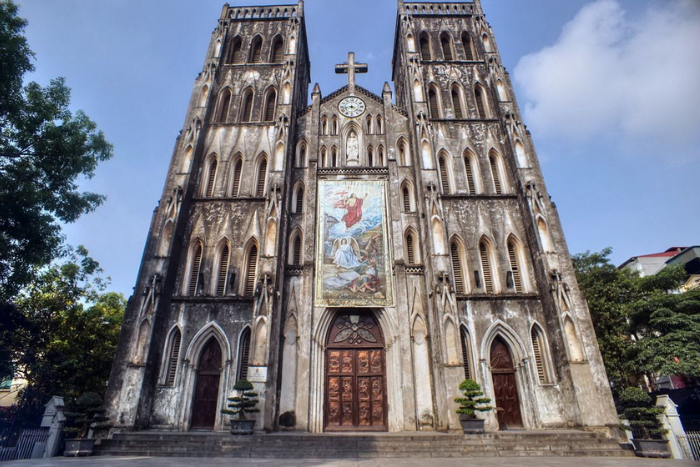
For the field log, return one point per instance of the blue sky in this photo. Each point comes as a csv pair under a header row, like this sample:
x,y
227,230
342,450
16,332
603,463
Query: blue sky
x,y
610,90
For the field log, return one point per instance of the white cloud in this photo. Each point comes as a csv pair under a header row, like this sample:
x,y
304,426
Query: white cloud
x,y
633,82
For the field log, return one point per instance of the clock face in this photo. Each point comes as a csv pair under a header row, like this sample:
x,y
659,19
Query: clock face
x,y
351,107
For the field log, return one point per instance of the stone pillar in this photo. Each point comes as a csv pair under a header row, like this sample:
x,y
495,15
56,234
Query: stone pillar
x,y
54,420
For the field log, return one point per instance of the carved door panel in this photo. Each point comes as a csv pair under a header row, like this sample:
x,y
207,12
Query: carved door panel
x,y
505,386
355,377
206,393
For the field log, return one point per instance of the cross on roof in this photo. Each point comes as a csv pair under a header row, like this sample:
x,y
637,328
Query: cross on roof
x,y
351,68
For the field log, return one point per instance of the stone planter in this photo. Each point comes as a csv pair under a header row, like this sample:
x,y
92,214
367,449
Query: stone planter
x,y
471,425
242,426
78,447
651,448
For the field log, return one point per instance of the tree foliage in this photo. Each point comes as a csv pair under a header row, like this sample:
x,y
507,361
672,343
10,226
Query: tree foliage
x,y
472,399
644,326
61,333
642,415
45,149
244,402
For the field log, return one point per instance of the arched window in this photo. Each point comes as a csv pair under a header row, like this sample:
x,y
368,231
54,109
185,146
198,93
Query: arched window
x,y
494,163
270,102
299,200
444,177
380,156
236,176
277,53
466,352
469,161
296,250
234,51
539,349
514,260
446,44
433,102
210,177
224,105
222,274
404,156
324,125
301,156
406,194
262,178
457,269
173,356
247,106
487,42
370,126
468,46
380,125
334,157
480,96
250,270
195,264
425,47
370,156
457,102
410,248
324,157
243,354
256,50
334,126
485,256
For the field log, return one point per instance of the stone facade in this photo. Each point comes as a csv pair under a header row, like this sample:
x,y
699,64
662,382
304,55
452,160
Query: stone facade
x,y
480,278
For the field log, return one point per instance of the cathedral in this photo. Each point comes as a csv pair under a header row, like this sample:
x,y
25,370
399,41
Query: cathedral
x,y
356,255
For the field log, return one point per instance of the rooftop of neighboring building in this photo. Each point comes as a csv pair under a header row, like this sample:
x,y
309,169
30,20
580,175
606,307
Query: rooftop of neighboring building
x,y
650,264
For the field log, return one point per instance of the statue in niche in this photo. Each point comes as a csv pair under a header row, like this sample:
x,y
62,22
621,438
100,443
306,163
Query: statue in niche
x,y
353,149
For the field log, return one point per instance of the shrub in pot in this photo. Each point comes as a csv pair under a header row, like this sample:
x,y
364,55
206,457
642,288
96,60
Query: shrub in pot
x,y
87,414
643,418
238,406
471,402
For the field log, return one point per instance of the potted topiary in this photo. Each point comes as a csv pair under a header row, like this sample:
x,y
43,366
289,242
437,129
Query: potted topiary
x,y
643,418
473,401
88,414
239,405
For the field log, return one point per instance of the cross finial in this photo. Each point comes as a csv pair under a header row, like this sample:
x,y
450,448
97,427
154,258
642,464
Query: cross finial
x,y
351,68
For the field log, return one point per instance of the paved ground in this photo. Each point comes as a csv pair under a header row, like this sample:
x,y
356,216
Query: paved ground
x,y
462,462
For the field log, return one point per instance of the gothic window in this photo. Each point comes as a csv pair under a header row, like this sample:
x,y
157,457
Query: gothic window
x,y
262,178
406,194
411,247
495,164
165,238
277,53
469,168
324,125
324,157
466,352
501,90
334,126
243,354
195,264
425,47
234,52
299,199
446,44
380,156
173,354
236,176
434,101
380,125
270,102
468,44
250,270
224,105
456,94
544,235
444,175
247,106
210,177
370,126
404,156
222,273
256,50
480,97
539,349
301,156
370,157
515,269
334,157
295,249
575,351
487,42
486,273
457,267
187,160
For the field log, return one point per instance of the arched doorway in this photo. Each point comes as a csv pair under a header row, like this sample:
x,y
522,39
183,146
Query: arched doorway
x,y
505,387
355,398
206,393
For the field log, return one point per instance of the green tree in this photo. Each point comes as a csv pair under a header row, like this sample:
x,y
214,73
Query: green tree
x,y
62,332
44,150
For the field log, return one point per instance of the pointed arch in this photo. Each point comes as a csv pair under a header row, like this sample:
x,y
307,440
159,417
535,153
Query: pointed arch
x,y
412,254
487,42
488,273
298,199
471,171
300,159
481,102
324,125
468,44
204,96
404,152
334,125
261,176
457,95
369,122
418,91
224,106
287,93
187,159
540,353
192,282
202,338
380,125
467,361
545,238
496,165
434,105
255,50
166,237
515,259
250,268
260,341
247,106
572,340
381,160
235,54
324,157
451,342
271,237
223,258
370,156
520,154
501,91
209,176
444,172
334,157
295,248
411,44
438,236
457,255
277,50
270,104
500,329
426,155
425,50
171,356
446,45
236,174
141,348
407,195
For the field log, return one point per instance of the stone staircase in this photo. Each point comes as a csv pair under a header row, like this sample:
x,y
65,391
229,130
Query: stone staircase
x,y
556,443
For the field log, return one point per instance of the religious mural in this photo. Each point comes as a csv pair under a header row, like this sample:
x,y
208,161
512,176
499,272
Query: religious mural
x,y
353,253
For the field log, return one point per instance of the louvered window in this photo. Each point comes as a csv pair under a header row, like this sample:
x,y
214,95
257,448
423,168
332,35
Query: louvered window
x,y
194,272
446,47
174,356
406,200
270,106
480,107
457,268
410,253
296,251
486,267
471,187
247,110
515,269
468,48
424,48
236,184
224,106
211,178
457,104
495,173
466,353
300,201
235,55
262,175
537,347
444,179
250,271
433,102
244,354
223,272
256,50
277,50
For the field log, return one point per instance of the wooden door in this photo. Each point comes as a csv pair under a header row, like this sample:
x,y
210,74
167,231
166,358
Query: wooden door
x,y
355,398
507,402
206,392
